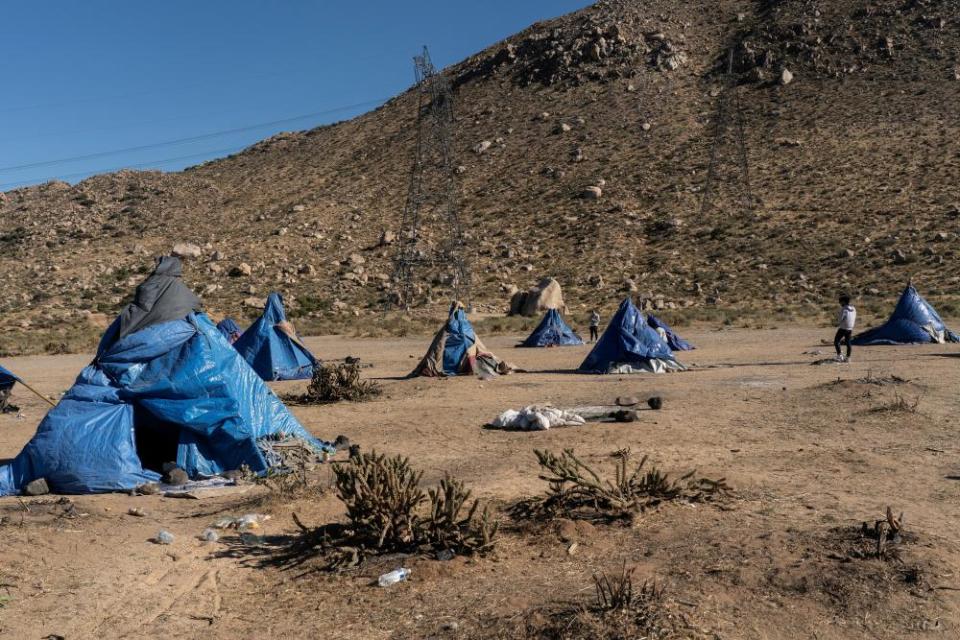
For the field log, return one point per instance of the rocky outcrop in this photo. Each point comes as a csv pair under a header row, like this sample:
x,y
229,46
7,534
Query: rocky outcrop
x,y
546,295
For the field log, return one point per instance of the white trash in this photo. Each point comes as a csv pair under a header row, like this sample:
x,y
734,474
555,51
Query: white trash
x,y
395,576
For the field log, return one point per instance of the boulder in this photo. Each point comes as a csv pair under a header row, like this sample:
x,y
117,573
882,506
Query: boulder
x,y
786,77
592,193
242,269
482,147
36,487
187,250
546,295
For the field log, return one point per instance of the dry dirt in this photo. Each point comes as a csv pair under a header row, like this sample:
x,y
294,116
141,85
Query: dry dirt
x,y
809,458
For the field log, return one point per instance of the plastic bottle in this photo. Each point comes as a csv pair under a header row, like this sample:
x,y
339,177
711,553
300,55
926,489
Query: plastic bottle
x,y
395,576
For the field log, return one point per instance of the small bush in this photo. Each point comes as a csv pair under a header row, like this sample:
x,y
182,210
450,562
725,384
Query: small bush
x,y
337,382
576,490
385,515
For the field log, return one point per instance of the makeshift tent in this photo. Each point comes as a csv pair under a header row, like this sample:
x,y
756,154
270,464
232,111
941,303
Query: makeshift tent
x,y
676,342
913,321
230,329
172,390
456,350
272,347
7,380
630,345
552,332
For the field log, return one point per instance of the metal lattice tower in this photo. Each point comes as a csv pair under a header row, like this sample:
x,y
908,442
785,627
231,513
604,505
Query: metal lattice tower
x,y
431,242
728,136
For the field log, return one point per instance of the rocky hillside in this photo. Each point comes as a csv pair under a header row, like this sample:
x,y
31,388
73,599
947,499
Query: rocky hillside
x,y
584,144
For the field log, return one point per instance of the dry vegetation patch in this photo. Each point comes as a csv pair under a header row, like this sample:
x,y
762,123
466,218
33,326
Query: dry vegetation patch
x,y
577,491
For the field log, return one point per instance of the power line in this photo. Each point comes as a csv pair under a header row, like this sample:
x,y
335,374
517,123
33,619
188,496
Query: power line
x,y
206,136
142,165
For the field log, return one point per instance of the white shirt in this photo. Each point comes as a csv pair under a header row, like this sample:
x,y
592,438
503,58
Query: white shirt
x,y
847,317
595,320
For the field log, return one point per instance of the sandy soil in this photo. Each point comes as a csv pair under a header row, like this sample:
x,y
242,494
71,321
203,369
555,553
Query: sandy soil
x,y
807,458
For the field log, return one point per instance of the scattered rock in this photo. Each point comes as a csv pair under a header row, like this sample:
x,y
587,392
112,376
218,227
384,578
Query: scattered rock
x,y
482,147
177,476
786,77
36,487
592,193
242,269
186,250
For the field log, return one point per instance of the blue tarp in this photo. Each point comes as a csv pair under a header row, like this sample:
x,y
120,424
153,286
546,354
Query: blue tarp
x,y
460,337
552,332
273,353
7,378
676,342
230,329
908,324
174,390
628,339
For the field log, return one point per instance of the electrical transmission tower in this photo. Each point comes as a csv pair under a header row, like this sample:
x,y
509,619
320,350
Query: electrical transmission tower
x,y
729,165
431,245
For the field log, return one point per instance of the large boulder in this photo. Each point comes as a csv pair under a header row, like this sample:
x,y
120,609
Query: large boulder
x,y
546,295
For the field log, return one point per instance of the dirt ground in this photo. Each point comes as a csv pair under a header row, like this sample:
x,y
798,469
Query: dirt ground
x,y
809,458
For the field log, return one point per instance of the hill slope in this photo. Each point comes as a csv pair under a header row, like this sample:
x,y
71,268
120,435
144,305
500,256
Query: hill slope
x,y
854,166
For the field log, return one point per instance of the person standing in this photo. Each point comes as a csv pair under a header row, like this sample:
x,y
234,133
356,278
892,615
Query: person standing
x,y
846,320
594,325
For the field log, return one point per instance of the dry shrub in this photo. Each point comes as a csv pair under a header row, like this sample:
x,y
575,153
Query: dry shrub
x,y
576,490
900,404
621,610
336,382
386,514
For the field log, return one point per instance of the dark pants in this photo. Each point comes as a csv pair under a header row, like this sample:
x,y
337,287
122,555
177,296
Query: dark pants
x,y
593,334
843,335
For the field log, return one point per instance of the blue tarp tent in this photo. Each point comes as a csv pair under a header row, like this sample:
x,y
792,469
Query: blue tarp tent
x,y
7,378
913,321
230,329
170,391
165,386
629,345
676,342
272,347
552,332
456,350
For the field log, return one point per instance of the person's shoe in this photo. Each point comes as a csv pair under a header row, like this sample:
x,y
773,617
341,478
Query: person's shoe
x,y
838,358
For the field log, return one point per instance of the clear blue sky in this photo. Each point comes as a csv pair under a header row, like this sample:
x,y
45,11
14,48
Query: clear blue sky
x,y
88,77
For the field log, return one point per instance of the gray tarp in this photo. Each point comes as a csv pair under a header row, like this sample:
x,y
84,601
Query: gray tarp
x,y
162,297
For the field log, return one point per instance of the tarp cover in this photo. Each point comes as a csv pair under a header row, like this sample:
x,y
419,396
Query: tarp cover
x,y
552,332
456,350
7,378
913,321
676,342
230,329
629,343
160,298
180,379
272,348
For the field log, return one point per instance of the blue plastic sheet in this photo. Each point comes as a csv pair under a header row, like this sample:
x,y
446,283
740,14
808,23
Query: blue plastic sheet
x,y
676,342
7,378
272,353
906,323
628,339
180,376
460,338
552,332
230,329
